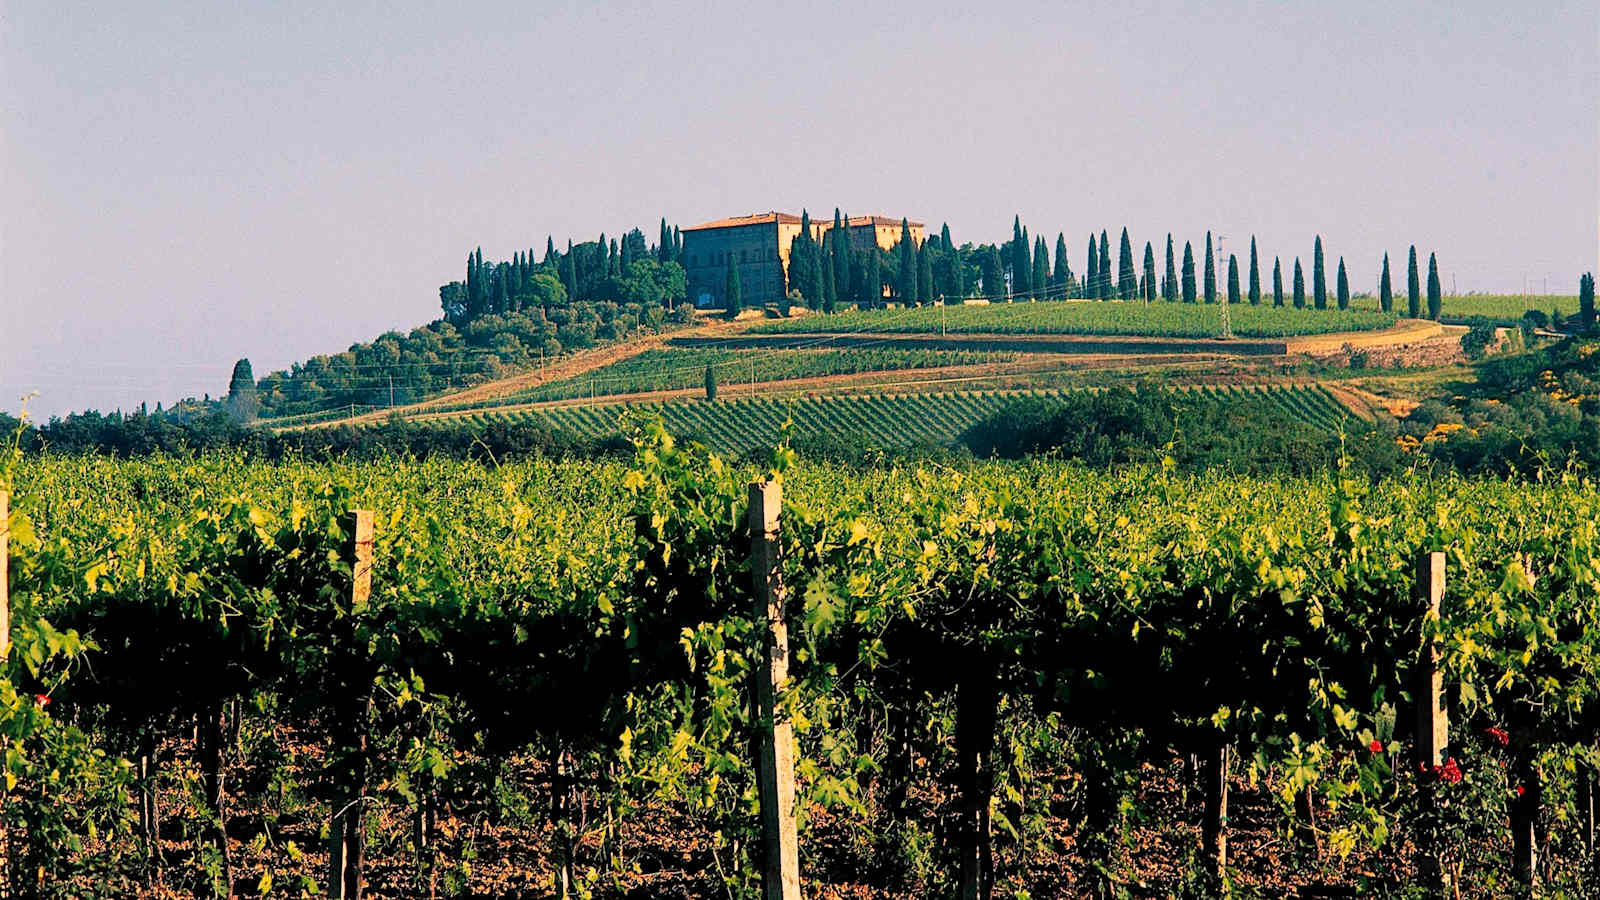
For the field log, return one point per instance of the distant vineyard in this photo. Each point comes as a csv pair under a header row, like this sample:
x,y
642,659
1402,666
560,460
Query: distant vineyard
x,y
1125,318
737,424
679,369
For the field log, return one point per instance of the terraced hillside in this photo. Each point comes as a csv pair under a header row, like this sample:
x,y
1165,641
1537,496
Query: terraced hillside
x,y
887,420
1185,320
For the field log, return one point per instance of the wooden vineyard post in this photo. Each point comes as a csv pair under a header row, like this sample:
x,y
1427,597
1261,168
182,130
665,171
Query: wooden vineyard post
x,y
346,835
1214,827
774,738
1433,726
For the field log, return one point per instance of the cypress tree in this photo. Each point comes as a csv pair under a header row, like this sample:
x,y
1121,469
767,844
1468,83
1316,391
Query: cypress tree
x,y
711,382
1041,267
549,250
1342,287
1105,268
569,272
626,258
1021,259
1169,281
1435,296
924,274
1127,287
1586,301
664,245
1255,275
1277,282
732,293
1188,273
1233,279
1319,278
873,270
994,271
841,256
944,238
1058,280
1211,272
830,294
1149,272
471,304
1299,285
1413,287
1091,272
1385,290
677,245
614,261
243,401
906,280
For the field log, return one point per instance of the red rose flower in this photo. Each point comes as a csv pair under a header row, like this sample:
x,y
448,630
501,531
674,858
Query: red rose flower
x,y
1498,735
1521,790
1376,746
42,699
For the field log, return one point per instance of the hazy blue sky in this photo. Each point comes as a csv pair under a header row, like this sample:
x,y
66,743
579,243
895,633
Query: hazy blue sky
x,y
185,183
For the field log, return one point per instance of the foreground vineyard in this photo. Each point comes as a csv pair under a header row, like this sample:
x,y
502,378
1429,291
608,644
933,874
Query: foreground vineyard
x,y
553,654
737,424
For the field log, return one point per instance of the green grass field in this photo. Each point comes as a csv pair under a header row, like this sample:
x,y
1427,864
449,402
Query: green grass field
x,y
1508,307
1187,320
887,420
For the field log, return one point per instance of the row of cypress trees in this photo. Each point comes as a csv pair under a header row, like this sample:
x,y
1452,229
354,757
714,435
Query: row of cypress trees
x,y
1029,277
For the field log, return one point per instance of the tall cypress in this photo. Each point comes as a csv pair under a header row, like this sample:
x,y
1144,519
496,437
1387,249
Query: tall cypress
x,y
1586,301
732,292
906,280
1021,259
664,245
1188,273
841,256
549,250
1105,267
1299,285
994,270
1342,287
1041,267
1319,279
677,245
1169,281
1091,271
1255,275
1149,272
1277,282
243,401
569,272
1211,272
1127,286
1385,290
1233,279
1058,279
924,274
944,238
873,282
1435,295
1413,287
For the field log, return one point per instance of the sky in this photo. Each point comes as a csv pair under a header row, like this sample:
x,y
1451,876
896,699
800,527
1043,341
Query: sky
x,y
184,183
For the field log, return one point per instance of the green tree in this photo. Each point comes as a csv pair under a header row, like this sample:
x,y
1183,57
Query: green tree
x,y
711,382
925,274
944,238
569,272
1149,272
1188,273
732,293
1413,287
1385,289
1319,278
1277,282
1211,272
1127,286
1586,313
872,275
1063,270
1299,285
1091,271
1041,267
664,243
905,285
1105,268
1233,279
1435,295
1021,259
994,273
1169,281
1255,275
243,401
1342,286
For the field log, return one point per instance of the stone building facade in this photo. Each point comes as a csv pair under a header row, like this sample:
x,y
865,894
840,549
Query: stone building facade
x,y
761,242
